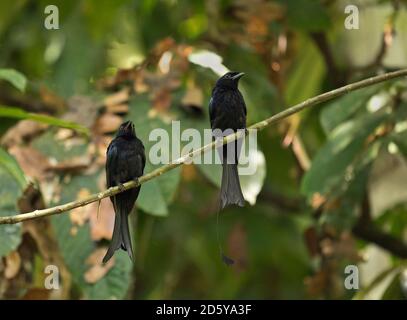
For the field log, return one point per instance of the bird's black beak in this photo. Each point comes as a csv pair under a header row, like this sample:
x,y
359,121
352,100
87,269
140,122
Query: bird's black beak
x,y
127,125
238,76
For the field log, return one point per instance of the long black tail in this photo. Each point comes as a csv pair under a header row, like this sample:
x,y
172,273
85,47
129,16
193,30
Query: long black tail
x,y
121,234
230,190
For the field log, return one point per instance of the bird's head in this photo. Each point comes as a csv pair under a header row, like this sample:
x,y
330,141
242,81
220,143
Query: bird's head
x,y
229,80
126,129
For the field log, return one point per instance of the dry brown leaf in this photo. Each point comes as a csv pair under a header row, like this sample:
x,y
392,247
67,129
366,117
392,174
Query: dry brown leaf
x,y
97,269
63,134
162,100
101,226
107,123
80,215
311,241
82,105
140,85
317,284
52,100
117,98
189,172
73,165
237,246
118,108
32,162
37,294
13,264
317,200
193,97
22,132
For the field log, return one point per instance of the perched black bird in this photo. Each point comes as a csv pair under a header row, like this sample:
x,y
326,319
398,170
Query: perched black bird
x,y
125,161
227,111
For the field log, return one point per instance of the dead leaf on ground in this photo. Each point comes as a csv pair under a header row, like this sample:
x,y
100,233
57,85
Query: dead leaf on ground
x,y
97,269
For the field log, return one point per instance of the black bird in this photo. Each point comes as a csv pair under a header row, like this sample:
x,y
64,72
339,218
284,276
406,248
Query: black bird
x,y
227,111
125,161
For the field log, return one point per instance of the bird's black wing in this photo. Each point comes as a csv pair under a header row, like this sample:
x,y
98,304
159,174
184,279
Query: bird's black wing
x,y
111,164
212,111
143,158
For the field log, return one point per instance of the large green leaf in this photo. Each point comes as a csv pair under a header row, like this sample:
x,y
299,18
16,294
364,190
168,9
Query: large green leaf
x,y
17,79
330,163
8,163
16,113
115,284
305,78
344,107
11,187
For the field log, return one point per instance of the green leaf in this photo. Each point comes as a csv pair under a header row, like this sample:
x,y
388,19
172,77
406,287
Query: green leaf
x,y
392,272
394,291
343,108
11,187
151,199
17,79
10,164
305,78
16,113
58,149
115,284
330,163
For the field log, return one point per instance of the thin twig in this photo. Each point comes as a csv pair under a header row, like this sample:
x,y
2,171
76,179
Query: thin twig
x,y
165,168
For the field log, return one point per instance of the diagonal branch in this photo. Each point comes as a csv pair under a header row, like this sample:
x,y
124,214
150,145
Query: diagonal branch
x,y
165,168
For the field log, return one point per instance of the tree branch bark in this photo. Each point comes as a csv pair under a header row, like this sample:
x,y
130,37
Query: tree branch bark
x,y
165,168
366,230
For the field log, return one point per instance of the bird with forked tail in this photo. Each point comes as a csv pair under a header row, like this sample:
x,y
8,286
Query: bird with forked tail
x,y
125,161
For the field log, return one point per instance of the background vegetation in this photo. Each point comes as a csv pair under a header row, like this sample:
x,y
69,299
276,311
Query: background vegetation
x,y
331,183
